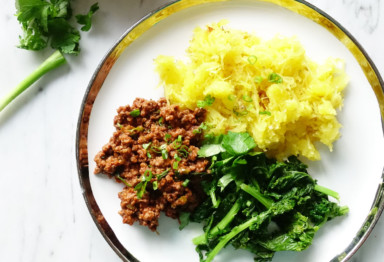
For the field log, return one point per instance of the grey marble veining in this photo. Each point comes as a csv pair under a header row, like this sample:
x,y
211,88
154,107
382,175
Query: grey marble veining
x,y
43,214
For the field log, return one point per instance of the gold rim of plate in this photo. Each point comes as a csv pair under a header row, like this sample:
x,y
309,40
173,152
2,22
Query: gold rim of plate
x,y
298,6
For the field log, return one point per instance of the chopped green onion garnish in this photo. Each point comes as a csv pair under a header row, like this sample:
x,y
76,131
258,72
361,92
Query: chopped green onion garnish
x,y
162,175
161,121
247,98
164,152
140,187
135,112
119,125
185,183
265,113
167,137
155,185
231,97
258,79
123,180
275,78
252,59
208,101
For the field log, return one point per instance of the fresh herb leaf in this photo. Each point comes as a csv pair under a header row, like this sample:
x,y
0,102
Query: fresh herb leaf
x,y
135,113
184,219
238,143
210,150
86,19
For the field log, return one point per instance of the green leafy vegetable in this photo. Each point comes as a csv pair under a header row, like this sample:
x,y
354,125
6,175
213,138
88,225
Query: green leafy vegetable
x,y
248,192
86,19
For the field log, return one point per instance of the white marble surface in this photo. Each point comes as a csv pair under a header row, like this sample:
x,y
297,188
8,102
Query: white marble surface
x,y
43,214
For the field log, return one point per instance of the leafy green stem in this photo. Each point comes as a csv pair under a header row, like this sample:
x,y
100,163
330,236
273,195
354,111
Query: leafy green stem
x,y
236,230
54,61
327,191
221,225
256,194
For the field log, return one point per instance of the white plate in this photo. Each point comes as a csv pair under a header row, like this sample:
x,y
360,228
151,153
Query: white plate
x,y
353,169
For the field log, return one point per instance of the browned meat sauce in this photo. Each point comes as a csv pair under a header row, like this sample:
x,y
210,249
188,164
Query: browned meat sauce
x,y
154,152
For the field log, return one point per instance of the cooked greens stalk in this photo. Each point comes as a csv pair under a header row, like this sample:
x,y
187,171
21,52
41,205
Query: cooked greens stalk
x,y
327,191
256,194
221,225
236,230
55,60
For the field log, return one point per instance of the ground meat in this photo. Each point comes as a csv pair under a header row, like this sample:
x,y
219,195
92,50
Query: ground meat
x,y
154,152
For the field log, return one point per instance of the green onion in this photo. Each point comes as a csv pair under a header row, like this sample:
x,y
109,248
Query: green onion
x,y
258,79
155,185
247,98
175,164
252,59
265,113
167,137
185,183
161,121
208,101
162,175
275,78
140,187
164,152
145,146
231,97
119,125
123,180
135,112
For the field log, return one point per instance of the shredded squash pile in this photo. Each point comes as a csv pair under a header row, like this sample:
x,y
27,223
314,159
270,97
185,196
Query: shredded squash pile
x,y
270,89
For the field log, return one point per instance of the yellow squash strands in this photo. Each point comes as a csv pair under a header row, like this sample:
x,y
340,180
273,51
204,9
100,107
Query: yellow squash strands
x,y
270,89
